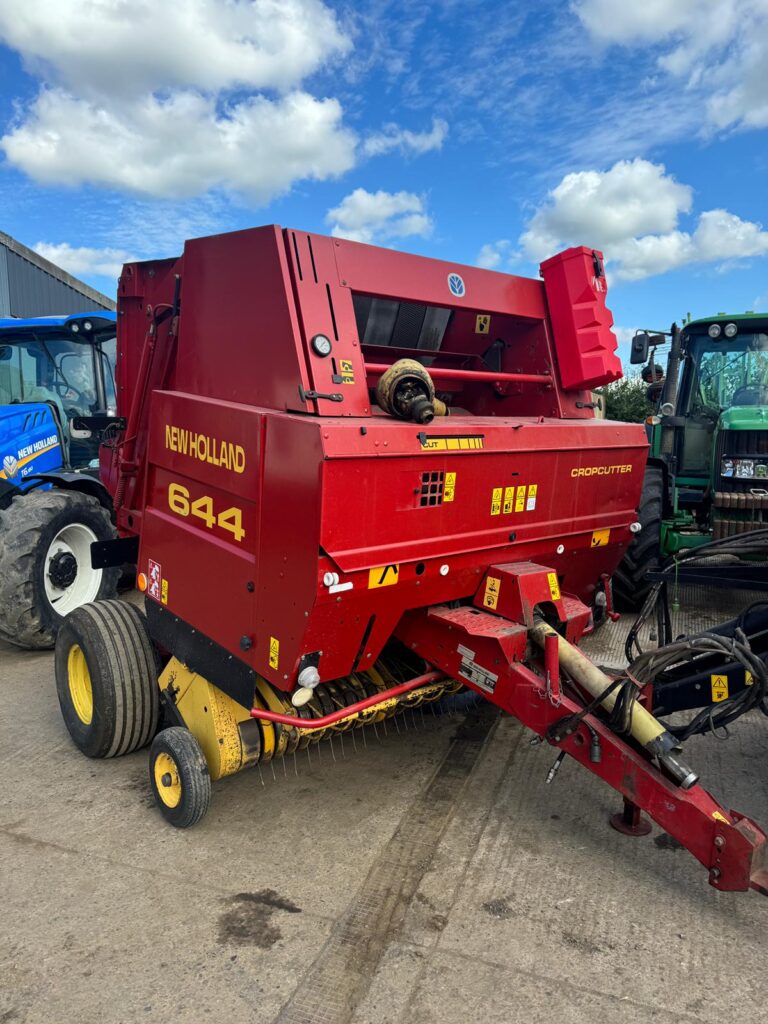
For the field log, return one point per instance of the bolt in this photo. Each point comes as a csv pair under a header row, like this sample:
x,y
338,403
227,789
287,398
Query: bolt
x,y
250,586
166,779
719,842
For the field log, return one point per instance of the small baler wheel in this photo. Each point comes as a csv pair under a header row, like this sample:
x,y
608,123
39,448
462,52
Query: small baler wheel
x,y
179,777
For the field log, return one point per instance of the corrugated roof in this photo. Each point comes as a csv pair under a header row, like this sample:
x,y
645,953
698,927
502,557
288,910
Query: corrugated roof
x,y
33,286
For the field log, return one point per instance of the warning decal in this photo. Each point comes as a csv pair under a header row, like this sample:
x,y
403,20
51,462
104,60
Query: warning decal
x,y
509,499
383,576
457,443
531,504
554,586
719,688
346,372
492,588
449,488
274,652
482,323
496,501
600,538
154,580
520,499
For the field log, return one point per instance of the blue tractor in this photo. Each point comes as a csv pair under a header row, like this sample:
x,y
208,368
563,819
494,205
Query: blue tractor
x,y
57,387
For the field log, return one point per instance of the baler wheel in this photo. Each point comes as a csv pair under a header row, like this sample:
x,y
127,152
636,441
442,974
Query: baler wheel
x,y
179,777
106,679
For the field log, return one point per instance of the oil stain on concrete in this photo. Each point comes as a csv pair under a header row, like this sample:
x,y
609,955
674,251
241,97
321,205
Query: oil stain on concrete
x,y
248,921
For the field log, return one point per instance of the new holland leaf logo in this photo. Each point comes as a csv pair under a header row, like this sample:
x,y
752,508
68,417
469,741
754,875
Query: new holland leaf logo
x,y
456,285
11,466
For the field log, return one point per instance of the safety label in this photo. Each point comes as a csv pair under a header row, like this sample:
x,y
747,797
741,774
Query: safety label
x,y
600,538
509,499
496,501
383,576
154,580
748,680
164,592
346,372
274,652
719,688
531,503
458,443
449,487
492,589
515,499
475,673
520,499
554,586
482,323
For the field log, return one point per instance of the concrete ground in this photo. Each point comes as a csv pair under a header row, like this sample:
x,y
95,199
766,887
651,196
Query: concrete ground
x,y
428,876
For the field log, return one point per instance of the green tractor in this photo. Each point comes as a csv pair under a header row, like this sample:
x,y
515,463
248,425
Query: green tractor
x,y
707,472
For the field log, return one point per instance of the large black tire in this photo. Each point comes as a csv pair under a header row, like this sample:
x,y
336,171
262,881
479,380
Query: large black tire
x,y
106,679
179,777
45,569
630,587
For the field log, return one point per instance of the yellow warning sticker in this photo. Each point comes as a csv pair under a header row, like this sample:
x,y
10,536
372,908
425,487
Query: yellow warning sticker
x,y
532,492
600,538
719,688
274,652
164,592
346,371
383,576
492,589
520,499
554,586
496,501
449,487
748,680
509,499
459,443
482,323
720,817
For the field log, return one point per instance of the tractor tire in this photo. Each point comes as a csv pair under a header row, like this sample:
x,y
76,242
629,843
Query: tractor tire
x,y
106,679
179,776
45,563
630,587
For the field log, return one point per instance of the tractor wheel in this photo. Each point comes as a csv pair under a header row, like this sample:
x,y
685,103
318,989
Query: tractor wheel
x,y
179,777
106,679
45,563
630,587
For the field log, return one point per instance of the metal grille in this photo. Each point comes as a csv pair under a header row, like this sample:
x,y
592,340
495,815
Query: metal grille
x,y
432,484
742,445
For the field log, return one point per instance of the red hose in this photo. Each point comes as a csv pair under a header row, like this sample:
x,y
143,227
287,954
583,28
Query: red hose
x,y
336,716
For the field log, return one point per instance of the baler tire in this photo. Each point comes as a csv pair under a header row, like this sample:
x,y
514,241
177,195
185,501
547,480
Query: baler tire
x,y
630,587
176,753
31,527
106,679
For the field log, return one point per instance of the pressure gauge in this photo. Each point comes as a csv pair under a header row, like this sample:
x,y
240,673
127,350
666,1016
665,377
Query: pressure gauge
x,y
321,345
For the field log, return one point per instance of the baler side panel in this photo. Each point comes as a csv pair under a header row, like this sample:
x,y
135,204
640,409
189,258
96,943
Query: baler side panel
x,y
239,338
201,525
325,307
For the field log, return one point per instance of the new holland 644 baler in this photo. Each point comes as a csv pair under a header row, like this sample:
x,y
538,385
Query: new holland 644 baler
x,y
353,481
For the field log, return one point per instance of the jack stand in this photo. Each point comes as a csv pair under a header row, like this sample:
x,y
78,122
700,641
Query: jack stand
x,y
630,821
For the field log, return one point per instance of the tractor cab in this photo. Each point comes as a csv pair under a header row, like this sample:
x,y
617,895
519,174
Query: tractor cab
x,y
707,474
53,370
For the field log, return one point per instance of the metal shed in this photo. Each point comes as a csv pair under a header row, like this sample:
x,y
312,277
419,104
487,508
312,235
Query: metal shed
x,y
33,286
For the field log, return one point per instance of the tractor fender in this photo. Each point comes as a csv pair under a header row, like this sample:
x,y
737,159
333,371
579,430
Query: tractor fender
x,y
68,481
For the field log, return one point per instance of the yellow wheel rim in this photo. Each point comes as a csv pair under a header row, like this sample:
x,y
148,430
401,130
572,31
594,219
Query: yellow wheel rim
x,y
80,688
167,781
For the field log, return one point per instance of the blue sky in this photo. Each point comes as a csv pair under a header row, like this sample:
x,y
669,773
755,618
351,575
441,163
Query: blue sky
x,y
479,132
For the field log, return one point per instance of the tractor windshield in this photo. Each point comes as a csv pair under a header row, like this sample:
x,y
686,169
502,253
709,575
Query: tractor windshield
x,y
45,368
729,372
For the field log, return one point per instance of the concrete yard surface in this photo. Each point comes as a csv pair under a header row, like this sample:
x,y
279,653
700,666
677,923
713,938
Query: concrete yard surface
x,y
429,875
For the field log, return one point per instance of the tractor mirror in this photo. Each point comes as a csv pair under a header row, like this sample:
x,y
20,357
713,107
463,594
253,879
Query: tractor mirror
x,y
640,345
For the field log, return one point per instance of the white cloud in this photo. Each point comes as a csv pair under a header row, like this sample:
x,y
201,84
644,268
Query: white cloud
x,y
406,141
379,216
495,255
720,48
82,260
181,146
141,97
111,47
632,213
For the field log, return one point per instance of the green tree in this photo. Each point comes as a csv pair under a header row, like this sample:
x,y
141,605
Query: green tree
x,y
626,400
